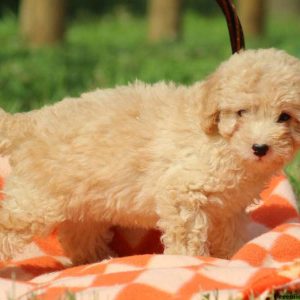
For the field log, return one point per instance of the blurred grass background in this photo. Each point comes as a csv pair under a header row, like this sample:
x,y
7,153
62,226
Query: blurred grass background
x,y
112,49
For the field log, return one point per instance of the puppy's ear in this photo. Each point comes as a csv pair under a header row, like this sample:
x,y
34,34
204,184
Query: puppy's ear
x,y
209,106
227,123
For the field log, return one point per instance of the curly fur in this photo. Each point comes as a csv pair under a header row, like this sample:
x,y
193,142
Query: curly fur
x,y
174,157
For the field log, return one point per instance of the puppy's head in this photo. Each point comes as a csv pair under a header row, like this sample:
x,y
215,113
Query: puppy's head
x,y
253,101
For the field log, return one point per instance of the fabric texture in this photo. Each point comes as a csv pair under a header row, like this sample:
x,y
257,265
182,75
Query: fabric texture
x,y
270,261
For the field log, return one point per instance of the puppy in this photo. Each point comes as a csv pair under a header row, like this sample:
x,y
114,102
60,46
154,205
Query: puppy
x,y
187,160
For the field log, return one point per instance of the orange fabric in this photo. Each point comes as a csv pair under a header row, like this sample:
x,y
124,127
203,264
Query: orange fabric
x,y
275,211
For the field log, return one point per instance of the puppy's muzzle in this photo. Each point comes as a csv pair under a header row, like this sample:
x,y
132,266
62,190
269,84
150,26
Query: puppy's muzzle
x,y
260,149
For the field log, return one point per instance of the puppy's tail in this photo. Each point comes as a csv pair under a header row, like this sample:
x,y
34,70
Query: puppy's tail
x,y
4,140
14,128
2,112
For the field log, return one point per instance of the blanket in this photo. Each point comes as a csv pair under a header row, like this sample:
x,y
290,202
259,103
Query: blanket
x,y
269,262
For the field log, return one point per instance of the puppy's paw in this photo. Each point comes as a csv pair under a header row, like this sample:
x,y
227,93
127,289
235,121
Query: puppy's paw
x,y
199,249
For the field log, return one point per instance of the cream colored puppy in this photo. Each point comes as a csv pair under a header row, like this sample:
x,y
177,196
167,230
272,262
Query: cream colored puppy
x,y
187,160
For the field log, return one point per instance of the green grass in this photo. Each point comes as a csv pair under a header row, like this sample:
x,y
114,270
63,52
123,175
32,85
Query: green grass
x,y
113,50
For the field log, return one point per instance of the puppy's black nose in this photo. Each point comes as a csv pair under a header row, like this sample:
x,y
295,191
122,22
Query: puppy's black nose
x,y
260,149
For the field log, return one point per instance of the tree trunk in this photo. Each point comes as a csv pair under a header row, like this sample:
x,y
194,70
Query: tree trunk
x,y
252,14
284,7
42,22
165,19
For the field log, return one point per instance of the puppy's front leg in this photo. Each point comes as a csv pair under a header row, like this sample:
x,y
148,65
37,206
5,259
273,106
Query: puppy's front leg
x,y
183,222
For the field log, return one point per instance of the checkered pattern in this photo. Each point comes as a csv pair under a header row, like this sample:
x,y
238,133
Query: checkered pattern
x,y
271,260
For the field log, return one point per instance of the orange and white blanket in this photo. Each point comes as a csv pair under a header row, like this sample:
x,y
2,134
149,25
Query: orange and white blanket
x,y
269,262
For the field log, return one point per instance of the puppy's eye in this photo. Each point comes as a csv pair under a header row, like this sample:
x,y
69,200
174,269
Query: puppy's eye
x,y
283,117
241,112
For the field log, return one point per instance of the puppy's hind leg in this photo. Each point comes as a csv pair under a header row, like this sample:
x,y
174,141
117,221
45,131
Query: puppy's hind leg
x,y
86,242
25,212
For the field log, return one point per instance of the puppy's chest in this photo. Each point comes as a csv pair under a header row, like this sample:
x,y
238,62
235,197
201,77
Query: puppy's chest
x,y
214,173
234,200
224,181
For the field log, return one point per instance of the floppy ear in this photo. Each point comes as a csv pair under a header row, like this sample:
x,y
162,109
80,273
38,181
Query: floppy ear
x,y
209,106
227,123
